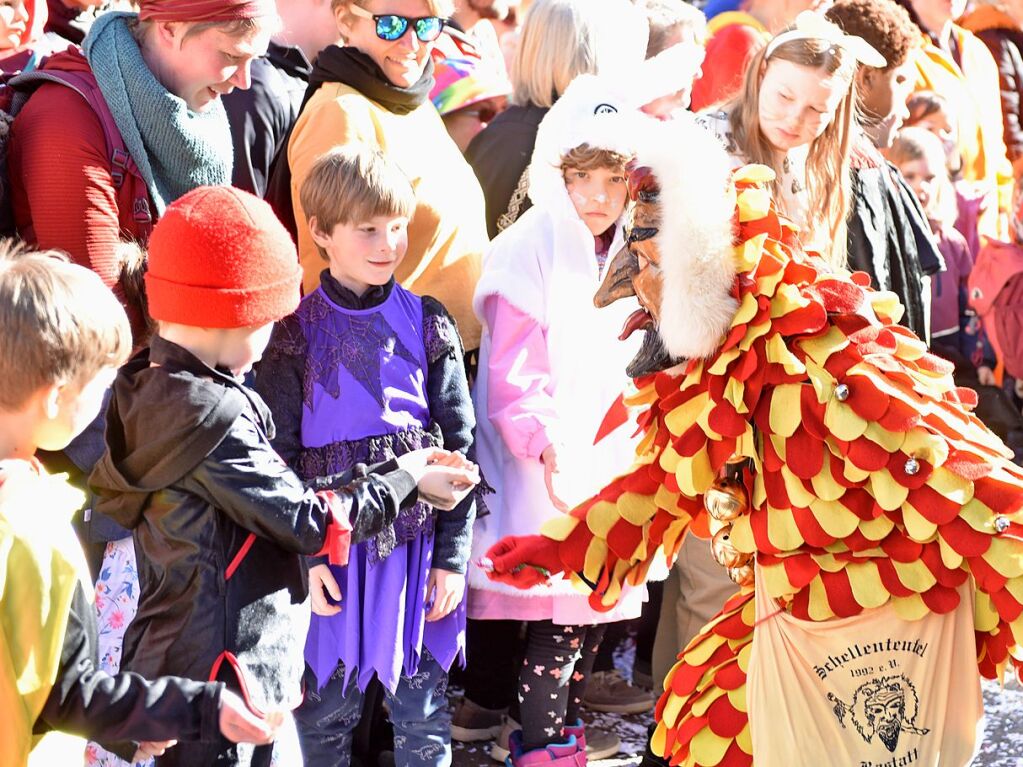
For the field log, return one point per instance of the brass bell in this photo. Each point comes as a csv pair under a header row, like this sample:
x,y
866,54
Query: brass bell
x,y
725,553
725,501
741,576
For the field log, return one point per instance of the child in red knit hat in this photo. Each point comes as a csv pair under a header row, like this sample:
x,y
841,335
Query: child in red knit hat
x,y
63,333
219,522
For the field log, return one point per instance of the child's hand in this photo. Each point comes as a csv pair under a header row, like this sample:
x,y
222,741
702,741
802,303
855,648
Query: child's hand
x,y
444,487
549,457
985,376
149,748
239,725
417,462
320,579
455,460
447,588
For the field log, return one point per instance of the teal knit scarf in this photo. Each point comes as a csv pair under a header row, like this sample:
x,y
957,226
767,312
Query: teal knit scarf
x,y
175,149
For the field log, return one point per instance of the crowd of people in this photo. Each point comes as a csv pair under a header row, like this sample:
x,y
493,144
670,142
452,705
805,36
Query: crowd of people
x,y
299,296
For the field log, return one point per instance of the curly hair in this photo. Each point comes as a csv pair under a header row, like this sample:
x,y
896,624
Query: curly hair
x,y
883,23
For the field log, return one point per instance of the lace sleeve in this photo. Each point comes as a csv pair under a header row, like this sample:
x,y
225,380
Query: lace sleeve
x,y
440,333
280,381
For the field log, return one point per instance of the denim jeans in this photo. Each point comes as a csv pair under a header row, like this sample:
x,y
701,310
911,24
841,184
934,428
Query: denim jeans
x,y
422,724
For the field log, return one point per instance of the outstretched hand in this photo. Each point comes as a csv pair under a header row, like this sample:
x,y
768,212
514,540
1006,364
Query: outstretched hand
x,y
522,561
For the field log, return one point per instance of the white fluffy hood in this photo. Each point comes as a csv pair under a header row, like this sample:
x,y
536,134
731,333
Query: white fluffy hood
x,y
603,112
696,234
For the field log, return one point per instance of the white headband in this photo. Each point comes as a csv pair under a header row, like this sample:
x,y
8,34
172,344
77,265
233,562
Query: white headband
x,y
813,26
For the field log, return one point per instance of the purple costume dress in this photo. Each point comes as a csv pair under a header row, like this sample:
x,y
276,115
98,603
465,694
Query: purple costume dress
x,y
365,401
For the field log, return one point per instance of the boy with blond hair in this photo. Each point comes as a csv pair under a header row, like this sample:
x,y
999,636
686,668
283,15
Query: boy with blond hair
x,y
63,334
366,371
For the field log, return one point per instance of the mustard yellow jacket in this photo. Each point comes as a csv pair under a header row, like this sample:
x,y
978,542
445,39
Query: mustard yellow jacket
x,y
41,563
447,234
975,101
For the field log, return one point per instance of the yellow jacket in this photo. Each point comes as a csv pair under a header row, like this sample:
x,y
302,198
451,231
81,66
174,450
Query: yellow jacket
x,y
447,234
974,98
41,562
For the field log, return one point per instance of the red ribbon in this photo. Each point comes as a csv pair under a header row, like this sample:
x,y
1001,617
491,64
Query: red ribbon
x,y
205,10
339,531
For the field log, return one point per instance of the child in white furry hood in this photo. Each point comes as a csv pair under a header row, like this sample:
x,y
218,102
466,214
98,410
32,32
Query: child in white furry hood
x,y
550,368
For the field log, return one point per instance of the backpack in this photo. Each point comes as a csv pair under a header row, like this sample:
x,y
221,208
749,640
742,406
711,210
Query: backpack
x,y
996,292
15,92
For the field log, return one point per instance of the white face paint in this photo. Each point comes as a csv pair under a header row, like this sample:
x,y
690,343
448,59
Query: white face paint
x,y
597,195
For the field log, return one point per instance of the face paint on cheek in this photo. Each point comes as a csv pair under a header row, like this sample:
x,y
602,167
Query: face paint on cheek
x,y
579,199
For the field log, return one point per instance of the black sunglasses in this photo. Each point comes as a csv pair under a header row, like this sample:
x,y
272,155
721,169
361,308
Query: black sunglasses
x,y
391,26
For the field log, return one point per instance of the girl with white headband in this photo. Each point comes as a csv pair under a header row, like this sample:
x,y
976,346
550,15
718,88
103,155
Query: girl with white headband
x,y
796,114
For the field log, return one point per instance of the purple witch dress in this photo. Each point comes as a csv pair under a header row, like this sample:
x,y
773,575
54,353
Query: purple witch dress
x,y
364,394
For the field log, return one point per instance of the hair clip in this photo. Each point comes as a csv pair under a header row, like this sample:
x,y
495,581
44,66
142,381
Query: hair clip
x,y
813,26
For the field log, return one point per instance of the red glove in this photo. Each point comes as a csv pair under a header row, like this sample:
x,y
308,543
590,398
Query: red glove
x,y
523,561
339,531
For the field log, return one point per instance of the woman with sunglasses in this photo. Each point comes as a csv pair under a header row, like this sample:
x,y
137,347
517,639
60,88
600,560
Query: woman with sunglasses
x,y
375,91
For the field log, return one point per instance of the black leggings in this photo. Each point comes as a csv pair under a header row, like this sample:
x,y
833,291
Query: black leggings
x,y
555,669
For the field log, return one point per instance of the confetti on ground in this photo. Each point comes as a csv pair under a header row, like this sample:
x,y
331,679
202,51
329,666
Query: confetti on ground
x,y
1002,746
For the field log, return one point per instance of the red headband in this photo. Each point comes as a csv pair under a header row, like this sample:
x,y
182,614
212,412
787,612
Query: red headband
x,y
205,10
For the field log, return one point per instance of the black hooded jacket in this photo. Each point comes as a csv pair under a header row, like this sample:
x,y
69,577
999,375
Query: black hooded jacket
x,y
190,470
889,237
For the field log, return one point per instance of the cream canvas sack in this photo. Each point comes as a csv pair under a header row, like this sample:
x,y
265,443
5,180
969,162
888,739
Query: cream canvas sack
x,y
873,690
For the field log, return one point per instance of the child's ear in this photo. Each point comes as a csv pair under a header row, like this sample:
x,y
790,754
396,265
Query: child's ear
x,y
51,400
321,239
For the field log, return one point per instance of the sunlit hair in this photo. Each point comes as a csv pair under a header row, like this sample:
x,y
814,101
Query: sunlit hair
x,y
59,324
354,185
585,157
827,180
232,28
561,39
912,144
442,8
668,18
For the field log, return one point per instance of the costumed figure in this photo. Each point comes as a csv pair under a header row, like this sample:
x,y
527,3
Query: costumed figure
x,y
869,519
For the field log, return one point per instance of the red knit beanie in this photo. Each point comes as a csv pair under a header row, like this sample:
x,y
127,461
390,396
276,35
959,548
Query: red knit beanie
x,y
219,258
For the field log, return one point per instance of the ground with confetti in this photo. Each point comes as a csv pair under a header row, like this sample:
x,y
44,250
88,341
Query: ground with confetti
x,y
1002,745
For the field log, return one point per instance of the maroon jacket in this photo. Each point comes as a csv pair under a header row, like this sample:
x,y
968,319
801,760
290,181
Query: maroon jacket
x,y
62,185
1004,39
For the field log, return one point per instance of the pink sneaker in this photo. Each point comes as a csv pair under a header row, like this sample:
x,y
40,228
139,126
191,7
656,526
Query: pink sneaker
x,y
567,754
601,744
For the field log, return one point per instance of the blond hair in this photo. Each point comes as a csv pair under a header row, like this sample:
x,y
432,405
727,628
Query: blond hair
x,y
666,17
442,8
562,39
59,324
351,185
828,182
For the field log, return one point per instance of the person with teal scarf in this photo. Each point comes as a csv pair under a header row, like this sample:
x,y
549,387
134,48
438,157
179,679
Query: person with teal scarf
x,y
155,79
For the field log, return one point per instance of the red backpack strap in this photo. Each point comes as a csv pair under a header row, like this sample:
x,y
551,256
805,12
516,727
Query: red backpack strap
x,y
121,163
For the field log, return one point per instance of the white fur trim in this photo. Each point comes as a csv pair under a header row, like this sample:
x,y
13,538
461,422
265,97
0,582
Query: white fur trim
x,y
603,111
696,235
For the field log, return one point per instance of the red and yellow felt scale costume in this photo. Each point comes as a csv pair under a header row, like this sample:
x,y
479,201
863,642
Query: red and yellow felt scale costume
x,y
870,481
